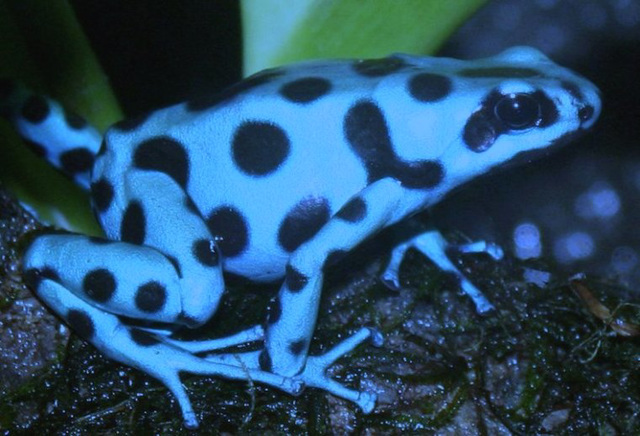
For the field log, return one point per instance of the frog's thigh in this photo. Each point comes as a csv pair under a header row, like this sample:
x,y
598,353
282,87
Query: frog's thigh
x,y
116,277
160,214
292,319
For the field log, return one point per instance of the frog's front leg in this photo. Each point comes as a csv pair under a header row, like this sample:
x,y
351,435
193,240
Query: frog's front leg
x,y
433,245
291,321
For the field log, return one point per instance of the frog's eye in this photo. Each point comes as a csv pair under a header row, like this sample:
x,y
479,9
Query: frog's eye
x,y
518,111
507,113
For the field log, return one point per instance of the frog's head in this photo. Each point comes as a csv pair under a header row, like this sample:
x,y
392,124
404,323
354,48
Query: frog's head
x,y
511,106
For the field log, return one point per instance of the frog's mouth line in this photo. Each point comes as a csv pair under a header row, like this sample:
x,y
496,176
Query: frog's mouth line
x,y
528,156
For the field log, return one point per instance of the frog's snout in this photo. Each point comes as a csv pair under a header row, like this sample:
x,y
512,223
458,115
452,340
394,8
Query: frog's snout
x,y
589,106
586,113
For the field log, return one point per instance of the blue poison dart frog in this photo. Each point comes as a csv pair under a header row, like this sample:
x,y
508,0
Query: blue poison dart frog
x,y
276,178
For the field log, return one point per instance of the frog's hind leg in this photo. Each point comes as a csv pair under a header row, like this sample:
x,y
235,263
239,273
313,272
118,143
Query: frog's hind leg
x,y
165,269
65,139
117,277
433,245
140,349
139,193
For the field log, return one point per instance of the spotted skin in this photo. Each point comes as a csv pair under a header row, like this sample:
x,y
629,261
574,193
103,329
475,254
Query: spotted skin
x,y
101,195
305,90
276,178
231,230
259,148
63,138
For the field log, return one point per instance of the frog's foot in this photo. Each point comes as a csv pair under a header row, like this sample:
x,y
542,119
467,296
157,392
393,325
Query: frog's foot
x,y
314,373
165,362
434,246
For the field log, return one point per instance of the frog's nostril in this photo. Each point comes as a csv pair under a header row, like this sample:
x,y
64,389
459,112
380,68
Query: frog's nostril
x,y
585,113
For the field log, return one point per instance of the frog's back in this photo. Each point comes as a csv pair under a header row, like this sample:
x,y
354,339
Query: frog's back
x,y
285,149
279,123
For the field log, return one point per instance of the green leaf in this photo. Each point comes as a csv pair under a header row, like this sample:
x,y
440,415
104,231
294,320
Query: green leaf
x,y
42,44
277,32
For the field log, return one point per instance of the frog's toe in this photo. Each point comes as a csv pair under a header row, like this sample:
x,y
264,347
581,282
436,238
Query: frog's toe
x,y
390,279
391,275
171,379
367,401
490,248
314,373
377,338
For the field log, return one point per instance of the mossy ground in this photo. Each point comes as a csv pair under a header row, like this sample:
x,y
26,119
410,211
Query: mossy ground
x,y
545,361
